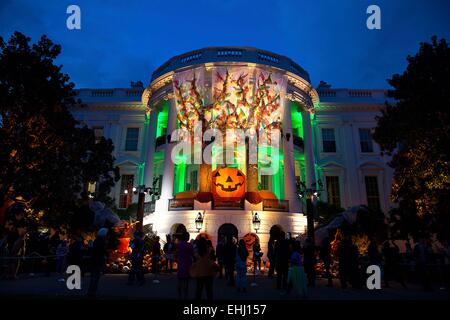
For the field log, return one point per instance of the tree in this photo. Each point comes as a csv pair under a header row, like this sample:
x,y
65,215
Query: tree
x,y
46,157
327,212
415,130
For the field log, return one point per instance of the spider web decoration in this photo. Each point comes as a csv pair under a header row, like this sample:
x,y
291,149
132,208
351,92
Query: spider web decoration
x,y
239,98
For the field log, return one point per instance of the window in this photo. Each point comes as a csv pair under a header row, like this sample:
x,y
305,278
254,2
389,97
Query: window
x,y
373,195
265,182
98,133
365,139
164,131
328,140
333,192
298,180
92,186
126,184
297,171
131,142
194,180
160,183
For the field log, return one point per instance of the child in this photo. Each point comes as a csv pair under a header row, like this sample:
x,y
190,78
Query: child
x,y
61,254
241,266
297,276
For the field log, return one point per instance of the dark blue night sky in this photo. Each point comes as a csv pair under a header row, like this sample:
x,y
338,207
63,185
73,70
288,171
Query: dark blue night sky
x,y
122,40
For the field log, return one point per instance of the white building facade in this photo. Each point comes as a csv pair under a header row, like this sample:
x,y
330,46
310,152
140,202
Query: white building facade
x,y
326,135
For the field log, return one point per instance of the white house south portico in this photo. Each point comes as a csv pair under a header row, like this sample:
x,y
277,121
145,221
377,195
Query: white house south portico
x,y
324,134
233,88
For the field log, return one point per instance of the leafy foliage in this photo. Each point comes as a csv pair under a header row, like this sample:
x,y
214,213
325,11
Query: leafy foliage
x,y
46,157
326,211
369,222
130,212
416,132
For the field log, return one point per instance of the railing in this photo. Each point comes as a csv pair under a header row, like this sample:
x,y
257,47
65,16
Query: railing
x,y
275,205
327,93
192,57
188,204
229,53
351,93
267,57
359,93
211,54
102,93
227,204
181,204
133,92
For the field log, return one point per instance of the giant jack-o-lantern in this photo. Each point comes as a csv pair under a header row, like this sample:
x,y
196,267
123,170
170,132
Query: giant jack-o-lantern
x,y
228,183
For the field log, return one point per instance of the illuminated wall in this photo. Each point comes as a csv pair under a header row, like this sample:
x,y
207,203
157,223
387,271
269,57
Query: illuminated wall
x,y
297,121
297,130
276,180
230,98
162,118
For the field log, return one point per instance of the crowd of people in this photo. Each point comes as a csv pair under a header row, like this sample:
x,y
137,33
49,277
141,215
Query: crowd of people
x,y
293,264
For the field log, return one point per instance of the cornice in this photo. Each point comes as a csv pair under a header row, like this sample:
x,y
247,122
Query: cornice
x,y
304,86
113,106
345,106
294,80
150,93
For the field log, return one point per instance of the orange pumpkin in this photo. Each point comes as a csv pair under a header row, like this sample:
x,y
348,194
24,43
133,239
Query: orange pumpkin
x,y
250,239
228,183
123,246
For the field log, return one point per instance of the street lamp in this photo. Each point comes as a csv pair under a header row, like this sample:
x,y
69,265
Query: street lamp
x,y
256,222
142,190
309,193
199,222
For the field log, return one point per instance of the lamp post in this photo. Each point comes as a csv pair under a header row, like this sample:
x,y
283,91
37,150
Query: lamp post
x,y
309,194
142,190
199,222
256,221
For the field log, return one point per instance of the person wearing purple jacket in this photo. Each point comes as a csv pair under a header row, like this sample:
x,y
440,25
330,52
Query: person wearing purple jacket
x,y
185,253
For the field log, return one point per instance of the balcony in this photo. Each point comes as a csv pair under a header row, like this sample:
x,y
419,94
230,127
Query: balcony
x,y
276,205
228,205
181,204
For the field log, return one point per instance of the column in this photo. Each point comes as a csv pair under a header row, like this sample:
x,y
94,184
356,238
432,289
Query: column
x,y
251,169
151,140
310,170
308,149
290,188
169,167
353,185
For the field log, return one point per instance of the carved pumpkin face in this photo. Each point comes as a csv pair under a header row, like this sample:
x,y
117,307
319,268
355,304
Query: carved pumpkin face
x,y
228,183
